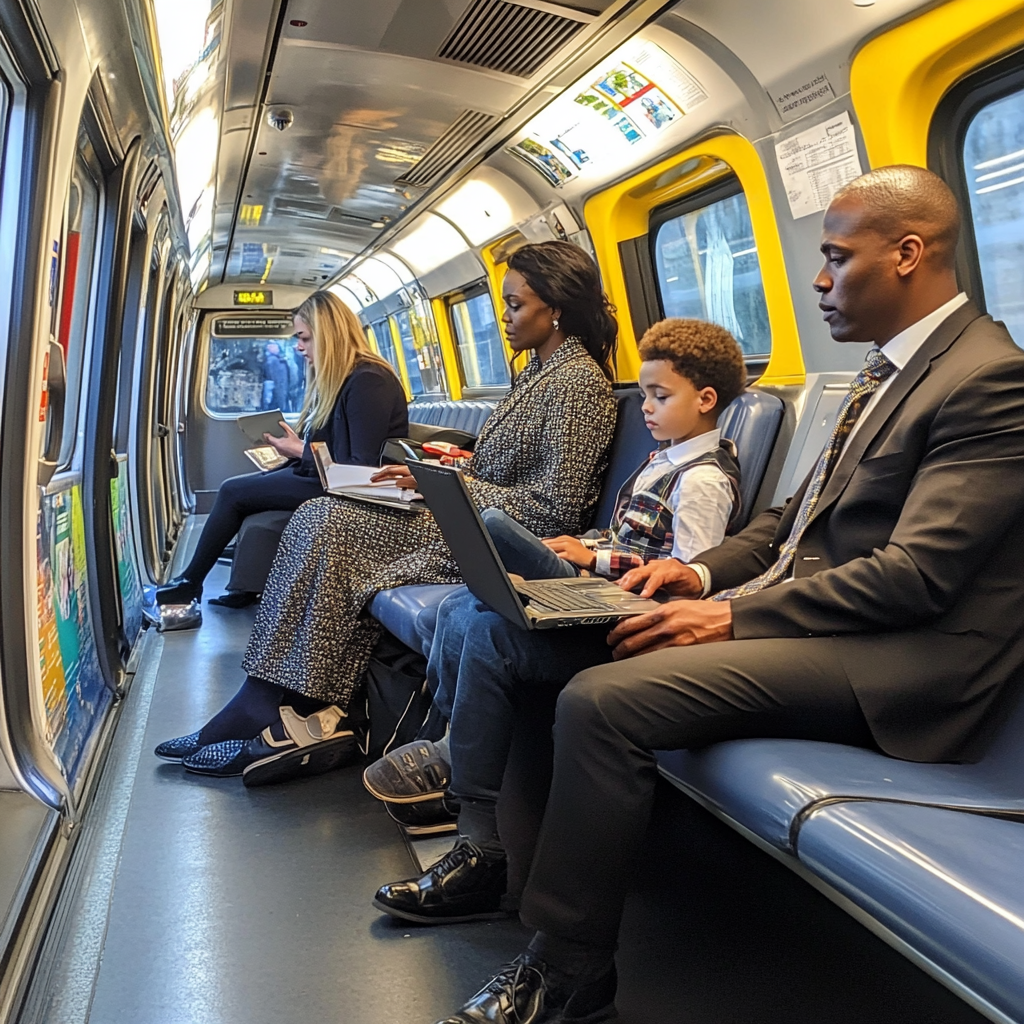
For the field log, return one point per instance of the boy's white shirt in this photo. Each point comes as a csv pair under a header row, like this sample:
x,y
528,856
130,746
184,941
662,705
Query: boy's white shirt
x,y
701,499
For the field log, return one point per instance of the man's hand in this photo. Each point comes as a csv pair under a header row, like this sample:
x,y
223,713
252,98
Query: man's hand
x,y
400,476
571,549
675,624
668,574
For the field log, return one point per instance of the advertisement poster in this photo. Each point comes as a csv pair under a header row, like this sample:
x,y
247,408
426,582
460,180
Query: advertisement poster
x,y
127,574
73,688
635,96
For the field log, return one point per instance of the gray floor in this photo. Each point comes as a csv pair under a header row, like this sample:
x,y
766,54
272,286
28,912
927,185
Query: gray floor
x,y
230,906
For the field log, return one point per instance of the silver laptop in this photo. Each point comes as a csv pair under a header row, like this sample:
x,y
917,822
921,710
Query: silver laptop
x,y
532,604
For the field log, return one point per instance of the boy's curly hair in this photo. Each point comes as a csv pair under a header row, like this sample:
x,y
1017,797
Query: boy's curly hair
x,y
704,353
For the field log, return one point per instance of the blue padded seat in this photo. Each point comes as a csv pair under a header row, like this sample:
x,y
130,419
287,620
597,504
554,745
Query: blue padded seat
x,y
467,416
410,613
769,786
945,882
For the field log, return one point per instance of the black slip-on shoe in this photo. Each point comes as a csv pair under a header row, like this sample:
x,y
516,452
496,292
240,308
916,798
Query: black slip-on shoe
x,y
528,991
221,760
413,773
179,591
179,747
297,747
466,884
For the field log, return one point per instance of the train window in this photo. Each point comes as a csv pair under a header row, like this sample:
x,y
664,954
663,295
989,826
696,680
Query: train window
x,y
83,218
422,354
250,374
993,166
707,267
385,342
482,358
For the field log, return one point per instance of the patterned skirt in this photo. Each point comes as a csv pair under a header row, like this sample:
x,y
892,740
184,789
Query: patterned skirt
x,y
313,633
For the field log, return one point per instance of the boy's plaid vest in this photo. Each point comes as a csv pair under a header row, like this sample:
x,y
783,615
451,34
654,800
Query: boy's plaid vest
x,y
641,526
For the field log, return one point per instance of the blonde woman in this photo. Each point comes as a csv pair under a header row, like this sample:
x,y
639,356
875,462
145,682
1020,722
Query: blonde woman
x,y
353,401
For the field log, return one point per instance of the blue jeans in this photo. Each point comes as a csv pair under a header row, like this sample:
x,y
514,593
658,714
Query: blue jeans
x,y
480,667
521,552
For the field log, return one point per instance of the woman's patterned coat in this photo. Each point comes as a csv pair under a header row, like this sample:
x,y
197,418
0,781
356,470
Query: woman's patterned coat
x,y
540,458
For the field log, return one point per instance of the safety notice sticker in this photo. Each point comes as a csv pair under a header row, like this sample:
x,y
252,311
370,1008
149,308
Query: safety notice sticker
x,y
817,163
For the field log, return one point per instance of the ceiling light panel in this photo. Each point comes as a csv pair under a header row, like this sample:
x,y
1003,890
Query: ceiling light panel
x,y
431,242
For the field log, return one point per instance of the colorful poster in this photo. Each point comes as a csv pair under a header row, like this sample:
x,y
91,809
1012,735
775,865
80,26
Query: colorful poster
x,y
73,688
127,573
637,94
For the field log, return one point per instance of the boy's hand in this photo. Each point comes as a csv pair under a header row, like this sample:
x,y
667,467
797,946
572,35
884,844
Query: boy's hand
x,y
676,624
572,550
668,574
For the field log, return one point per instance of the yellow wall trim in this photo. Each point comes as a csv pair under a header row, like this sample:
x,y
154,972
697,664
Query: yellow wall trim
x,y
898,79
443,324
623,212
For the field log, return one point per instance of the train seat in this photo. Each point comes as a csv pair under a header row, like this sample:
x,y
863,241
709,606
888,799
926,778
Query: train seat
x,y
468,416
770,786
946,883
751,422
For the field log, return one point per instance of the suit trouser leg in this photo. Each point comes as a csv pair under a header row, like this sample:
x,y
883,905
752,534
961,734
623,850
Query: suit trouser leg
x,y
609,721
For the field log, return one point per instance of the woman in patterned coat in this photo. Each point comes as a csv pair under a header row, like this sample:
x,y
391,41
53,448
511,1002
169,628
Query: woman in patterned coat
x,y
540,458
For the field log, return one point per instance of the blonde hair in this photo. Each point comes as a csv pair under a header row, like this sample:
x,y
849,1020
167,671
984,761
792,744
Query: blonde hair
x,y
339,344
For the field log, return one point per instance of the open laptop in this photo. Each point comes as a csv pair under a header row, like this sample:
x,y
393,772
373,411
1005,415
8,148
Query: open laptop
x,y
532,604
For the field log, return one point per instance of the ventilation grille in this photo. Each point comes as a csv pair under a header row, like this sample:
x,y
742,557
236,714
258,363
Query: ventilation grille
x,y
507,37
465,132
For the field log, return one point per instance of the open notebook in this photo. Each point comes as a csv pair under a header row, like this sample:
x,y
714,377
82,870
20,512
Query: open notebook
x,y
346,481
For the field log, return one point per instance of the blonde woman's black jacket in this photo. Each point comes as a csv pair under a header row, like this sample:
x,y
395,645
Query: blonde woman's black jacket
x,y
370,408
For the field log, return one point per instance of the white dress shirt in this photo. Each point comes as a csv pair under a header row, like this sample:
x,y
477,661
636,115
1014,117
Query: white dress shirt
x,y
898,351
702,498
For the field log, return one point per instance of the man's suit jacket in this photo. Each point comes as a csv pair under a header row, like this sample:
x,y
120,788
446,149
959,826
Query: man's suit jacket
x,y
914,557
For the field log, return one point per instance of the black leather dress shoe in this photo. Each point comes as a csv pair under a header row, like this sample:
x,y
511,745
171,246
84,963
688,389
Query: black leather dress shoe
x,y
466,884
179,591
528,991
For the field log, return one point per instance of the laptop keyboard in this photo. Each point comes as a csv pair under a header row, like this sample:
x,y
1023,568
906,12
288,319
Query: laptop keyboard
x,y
561,598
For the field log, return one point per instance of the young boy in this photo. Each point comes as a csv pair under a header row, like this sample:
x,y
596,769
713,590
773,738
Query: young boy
x,y
678,503
681,499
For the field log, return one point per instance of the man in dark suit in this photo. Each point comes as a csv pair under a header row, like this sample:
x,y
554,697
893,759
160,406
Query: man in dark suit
x,y
879,607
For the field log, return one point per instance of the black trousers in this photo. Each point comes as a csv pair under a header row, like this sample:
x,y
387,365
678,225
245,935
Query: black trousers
x,y
609,720
241,496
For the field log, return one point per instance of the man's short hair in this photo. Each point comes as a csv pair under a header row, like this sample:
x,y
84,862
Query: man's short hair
x,y
704,353
903,199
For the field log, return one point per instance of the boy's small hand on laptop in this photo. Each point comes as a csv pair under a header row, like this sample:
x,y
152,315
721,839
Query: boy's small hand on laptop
x,y
668,574
400,476
570,549
675,624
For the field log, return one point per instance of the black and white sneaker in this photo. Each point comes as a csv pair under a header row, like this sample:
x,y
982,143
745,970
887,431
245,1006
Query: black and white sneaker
x,y
297,747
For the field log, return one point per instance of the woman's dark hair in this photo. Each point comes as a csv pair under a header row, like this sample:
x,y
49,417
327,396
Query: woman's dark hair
x,y
567,279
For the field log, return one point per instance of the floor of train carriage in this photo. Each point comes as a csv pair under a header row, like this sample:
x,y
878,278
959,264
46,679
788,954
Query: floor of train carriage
x,y
202,902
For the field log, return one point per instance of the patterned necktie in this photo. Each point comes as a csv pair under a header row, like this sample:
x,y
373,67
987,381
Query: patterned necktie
x,y
876,370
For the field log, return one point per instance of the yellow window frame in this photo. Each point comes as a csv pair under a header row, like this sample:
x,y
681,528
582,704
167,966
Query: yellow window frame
x,y
623,212
898,79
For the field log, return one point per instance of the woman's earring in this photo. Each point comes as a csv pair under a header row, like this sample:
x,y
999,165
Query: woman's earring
x,y
554,323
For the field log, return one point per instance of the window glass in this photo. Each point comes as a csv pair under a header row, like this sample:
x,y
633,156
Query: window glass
x,y
250,374
386,343
994,167
708,269
481,354
422,354
79,250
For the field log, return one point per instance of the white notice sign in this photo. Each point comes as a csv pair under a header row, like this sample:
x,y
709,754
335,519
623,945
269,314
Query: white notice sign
x,y
817,163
